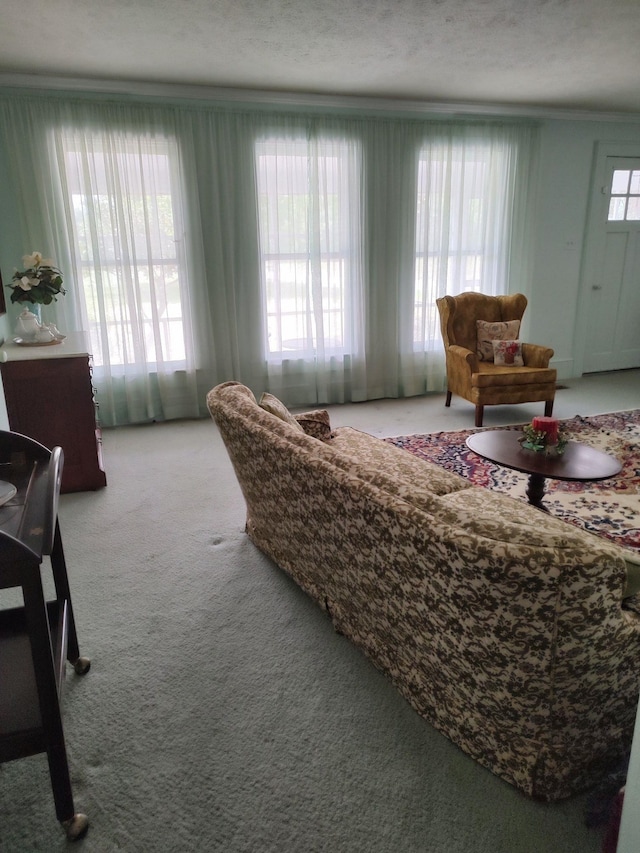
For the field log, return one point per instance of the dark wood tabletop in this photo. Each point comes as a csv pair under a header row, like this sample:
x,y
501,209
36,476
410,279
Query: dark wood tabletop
x,y
578,462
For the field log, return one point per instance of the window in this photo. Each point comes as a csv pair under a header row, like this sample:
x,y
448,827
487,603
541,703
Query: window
x,y
125,223
624,203
462,234
308,211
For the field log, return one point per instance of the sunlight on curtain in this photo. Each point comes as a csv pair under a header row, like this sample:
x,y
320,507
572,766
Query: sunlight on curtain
x,y
462,225
468,217
309,213
125,217
297,253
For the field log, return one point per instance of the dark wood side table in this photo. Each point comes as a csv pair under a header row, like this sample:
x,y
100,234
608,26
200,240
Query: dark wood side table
x,y
38,638
50,398
578,462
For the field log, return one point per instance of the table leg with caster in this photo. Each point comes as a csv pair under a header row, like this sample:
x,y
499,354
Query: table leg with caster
x,y
74,823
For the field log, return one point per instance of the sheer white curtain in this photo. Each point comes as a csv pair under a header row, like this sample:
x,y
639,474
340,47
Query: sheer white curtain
x,y
123,196
468,217
310,227
102,187
296,253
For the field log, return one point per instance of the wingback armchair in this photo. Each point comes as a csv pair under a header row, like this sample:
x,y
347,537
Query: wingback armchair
x,y
472,373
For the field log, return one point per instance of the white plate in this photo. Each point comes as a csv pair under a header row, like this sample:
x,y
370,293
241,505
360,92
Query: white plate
x,y
7,491
25,343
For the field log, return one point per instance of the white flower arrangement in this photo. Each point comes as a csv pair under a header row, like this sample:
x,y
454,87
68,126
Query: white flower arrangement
x,y
39,283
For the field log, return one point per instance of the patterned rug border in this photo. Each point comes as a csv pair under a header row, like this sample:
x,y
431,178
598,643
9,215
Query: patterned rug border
x,y
608,508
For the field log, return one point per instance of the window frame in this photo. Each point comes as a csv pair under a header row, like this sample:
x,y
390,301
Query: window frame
x,y
317,261
116,269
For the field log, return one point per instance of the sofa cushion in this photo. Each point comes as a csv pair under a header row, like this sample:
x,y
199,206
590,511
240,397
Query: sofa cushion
x,y
316,423
491,375
275,407
409,475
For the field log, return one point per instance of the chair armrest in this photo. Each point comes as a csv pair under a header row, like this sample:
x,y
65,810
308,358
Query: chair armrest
x,y
535,355
460,355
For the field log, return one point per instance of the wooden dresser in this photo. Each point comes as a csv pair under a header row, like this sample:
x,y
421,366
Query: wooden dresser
x,y
50,398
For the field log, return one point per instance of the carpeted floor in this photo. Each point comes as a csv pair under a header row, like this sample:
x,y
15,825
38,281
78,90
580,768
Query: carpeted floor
x,y
222,713
609,508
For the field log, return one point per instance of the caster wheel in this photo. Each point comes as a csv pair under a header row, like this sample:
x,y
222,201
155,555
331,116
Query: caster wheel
x,y
76,827
82,666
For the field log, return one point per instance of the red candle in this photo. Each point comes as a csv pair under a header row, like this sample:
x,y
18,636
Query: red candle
x,y
547,425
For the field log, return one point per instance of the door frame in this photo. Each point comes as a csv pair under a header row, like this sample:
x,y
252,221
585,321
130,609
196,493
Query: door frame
x,y
594,236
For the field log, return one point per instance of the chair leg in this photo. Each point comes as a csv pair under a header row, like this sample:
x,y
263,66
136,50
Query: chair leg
x,y
479,415
548,408
448,400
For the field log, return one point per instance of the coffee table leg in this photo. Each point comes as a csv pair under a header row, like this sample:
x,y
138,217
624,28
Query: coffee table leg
x,y
535,490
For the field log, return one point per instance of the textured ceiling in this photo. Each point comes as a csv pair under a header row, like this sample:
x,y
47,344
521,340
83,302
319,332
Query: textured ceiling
x,y
572,54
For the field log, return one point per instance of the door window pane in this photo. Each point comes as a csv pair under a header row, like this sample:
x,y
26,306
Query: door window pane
x,y
633,208
625,195
616,209
620,183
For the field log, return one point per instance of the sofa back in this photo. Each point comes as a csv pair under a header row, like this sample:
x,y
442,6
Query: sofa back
x,y
501,626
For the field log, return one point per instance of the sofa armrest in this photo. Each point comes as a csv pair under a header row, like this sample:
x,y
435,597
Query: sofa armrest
x,y
632,562
462,358
535,355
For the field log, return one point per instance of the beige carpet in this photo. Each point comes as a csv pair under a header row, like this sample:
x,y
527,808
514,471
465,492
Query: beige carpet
x,y
222,713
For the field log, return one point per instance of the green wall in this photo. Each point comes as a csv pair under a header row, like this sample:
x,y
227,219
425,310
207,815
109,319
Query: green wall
x,y
564,187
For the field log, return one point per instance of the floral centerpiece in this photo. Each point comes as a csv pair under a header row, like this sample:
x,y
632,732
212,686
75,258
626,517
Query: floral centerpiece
x,y
543,435
39,283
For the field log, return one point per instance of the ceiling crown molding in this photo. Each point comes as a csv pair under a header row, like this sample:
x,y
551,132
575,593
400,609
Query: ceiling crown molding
x,y
259,97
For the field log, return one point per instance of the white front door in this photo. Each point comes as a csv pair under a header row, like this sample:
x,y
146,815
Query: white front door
x,y
612,268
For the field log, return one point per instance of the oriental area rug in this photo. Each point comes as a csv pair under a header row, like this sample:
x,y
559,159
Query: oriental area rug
x,y
609,508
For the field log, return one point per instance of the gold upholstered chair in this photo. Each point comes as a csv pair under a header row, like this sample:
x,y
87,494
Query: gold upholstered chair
x,y
485,372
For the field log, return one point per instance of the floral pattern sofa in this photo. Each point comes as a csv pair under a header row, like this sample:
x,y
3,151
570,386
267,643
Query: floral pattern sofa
x,y
502,626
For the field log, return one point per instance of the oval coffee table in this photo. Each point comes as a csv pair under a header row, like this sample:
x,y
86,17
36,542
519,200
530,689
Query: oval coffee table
x,y
578,462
